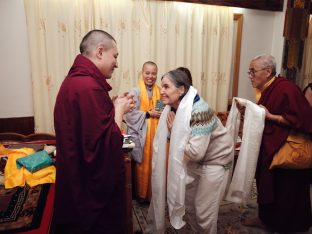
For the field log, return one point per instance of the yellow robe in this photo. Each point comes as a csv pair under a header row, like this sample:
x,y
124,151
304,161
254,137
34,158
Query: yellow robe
x,y
144,169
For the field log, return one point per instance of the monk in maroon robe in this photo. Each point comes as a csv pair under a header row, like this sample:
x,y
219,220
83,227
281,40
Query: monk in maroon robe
x,y
283,194
90,178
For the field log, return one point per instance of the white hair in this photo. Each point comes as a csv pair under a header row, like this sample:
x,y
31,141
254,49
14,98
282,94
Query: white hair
x,y
267,60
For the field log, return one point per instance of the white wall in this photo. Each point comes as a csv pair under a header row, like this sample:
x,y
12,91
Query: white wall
x,y
15,81
262,33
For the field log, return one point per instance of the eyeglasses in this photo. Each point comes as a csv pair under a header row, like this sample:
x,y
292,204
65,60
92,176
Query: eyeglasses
x,y
253,72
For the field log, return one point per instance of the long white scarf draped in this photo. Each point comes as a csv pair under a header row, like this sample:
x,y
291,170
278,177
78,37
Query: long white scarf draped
x,y
244,172
176,178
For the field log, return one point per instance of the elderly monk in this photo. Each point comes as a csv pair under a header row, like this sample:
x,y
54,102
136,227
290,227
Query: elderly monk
x,y
283,194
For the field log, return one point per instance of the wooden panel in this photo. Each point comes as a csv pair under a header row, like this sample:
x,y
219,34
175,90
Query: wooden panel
x,y
239,19
34,138
269,5
128,192
21,125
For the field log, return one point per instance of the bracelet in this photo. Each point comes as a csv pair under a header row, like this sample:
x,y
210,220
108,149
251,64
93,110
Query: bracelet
x,y
147,115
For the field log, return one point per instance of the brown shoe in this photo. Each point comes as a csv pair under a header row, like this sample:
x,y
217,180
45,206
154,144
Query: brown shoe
x,y
254,222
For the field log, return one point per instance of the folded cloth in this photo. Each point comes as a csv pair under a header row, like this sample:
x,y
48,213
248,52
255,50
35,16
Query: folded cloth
x,y
49,149
35,162
12,175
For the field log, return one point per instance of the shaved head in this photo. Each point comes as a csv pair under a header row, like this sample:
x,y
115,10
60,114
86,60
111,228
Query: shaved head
x,y
95,39
100,48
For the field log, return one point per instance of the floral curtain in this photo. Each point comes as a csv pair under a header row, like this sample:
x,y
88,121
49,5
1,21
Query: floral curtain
x,y
172,34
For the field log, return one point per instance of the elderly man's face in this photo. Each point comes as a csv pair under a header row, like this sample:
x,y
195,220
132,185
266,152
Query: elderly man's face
x,y
258,74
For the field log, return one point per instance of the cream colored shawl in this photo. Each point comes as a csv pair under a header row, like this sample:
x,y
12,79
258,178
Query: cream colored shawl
x,y
176,177
244,172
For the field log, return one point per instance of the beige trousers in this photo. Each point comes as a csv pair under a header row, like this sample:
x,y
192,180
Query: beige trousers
x,y
204,192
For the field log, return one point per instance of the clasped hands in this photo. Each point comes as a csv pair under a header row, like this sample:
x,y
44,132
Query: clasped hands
x,y
170,119
124,102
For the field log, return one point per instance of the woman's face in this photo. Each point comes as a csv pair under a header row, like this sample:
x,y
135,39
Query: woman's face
x,y
149,74
170,95
308,95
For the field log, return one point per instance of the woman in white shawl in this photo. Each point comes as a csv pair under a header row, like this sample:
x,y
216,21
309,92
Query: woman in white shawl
x,y
200,154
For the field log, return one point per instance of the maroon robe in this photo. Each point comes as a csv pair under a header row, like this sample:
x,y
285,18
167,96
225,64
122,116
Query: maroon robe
x,y
283,195
90,177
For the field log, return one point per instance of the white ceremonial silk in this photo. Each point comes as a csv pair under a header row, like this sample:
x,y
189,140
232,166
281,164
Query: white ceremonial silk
x,y
177,176
244,172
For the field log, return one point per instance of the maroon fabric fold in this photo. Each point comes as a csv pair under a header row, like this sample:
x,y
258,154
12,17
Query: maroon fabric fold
x,y
90,186
280,191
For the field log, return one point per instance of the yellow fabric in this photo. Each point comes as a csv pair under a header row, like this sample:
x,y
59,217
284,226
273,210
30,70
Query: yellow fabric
x,y
144,169
1,147
146,103
296,153
43,176
259,91
14,177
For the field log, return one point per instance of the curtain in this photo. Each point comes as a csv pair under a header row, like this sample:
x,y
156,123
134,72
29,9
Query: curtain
x,y
295,33
306,76
172,34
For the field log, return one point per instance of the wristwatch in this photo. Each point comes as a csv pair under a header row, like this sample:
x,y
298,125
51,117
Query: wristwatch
x,y
147,115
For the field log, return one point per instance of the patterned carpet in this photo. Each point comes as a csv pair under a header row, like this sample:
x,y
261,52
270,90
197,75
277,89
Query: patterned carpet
x,y
21,208
229,220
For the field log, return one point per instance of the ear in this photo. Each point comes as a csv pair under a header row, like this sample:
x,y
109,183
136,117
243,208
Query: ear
x,y
181,90
269,71
99,52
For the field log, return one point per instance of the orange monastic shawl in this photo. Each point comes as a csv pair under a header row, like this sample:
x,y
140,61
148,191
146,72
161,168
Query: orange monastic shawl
x,y
144,169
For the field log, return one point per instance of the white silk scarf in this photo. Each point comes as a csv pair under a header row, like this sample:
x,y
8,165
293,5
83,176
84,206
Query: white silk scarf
x,y
244,172
176,178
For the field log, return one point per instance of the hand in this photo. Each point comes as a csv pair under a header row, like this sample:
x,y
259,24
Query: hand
x,y
170,119
241,109
120,96
123,103
154,113
268,115
114,98
132,102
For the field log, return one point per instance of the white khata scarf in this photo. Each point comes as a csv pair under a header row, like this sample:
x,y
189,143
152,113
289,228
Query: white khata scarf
x,y
244,172
176,178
